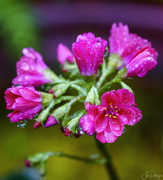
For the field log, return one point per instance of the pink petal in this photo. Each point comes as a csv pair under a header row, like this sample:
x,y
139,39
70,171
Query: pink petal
x,y
101,137
116,126
143,61
111,97
87,124
118,38
22,104
30,94
109,136
129,115
17,116
101,122
127,97
63,54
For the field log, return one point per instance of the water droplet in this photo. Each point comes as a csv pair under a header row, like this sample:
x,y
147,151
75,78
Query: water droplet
x,y
16,85
124,129
24,66
22,124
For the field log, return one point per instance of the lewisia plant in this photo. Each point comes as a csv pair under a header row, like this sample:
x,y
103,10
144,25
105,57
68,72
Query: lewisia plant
x,y
46,99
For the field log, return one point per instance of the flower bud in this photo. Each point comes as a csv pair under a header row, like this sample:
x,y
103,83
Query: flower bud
x,y
73,127
27,163
50,121
37,124
89,51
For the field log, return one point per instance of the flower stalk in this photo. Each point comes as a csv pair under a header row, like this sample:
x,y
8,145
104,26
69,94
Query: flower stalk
x,y
108,165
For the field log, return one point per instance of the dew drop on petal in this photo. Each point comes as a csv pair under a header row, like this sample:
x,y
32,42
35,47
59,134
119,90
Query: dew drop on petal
x,y
22,124
124,129
24,66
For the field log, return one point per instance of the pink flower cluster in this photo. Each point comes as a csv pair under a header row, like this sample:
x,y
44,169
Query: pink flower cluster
x,y
118,108
108,120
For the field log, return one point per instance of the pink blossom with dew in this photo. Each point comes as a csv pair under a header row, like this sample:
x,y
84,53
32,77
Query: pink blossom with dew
x,y
124,43
30,69
89,52
132,47
108,120
25,101
64,54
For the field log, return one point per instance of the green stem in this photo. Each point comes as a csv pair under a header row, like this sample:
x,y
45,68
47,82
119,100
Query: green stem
x,y
63,98
79,89
86,160
104,75
107,85
109,166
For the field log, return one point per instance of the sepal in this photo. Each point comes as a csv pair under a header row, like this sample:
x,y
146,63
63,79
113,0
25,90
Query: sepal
x,y
93,97
60,112
125,86
46,98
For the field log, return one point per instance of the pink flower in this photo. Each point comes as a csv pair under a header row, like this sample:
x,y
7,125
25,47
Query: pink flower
x,y
25,101
64,54
89,52
108,120
132,48
31,69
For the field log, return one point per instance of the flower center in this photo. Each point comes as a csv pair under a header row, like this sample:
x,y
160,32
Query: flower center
x,y
111,111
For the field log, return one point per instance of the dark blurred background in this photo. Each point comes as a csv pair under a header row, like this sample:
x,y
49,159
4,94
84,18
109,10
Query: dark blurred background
x,y
43,24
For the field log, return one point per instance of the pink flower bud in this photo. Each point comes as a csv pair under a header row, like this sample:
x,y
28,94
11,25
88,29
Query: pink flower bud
x,y
50,121
67,131
27,163
37,124
89,52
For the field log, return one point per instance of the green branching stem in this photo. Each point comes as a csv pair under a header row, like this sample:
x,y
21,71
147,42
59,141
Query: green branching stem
x,y
43,157
63,98
79,89
73,101
86,160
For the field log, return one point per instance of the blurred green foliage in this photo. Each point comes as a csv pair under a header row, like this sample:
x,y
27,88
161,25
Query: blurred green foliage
x,y
17,26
